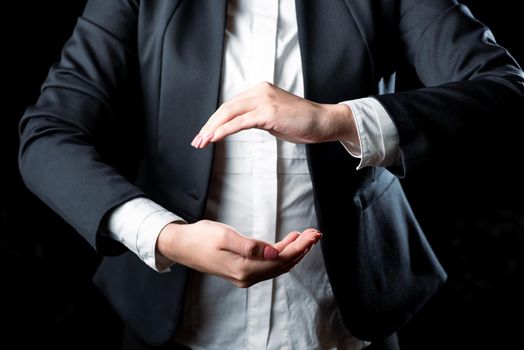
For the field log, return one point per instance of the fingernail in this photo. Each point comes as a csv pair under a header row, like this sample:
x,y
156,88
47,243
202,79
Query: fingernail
x,y
193,143
270,253
199,141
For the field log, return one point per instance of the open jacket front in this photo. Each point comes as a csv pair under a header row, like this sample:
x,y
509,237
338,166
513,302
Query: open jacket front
x,y
381,267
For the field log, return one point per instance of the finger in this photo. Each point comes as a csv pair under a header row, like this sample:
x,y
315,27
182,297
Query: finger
x,y
286,267
300,245
248,247
292,264
260,270
248,120
226,112
291,237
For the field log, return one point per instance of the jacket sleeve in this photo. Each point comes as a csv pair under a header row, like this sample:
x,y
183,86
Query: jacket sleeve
x,y
473,87
60,156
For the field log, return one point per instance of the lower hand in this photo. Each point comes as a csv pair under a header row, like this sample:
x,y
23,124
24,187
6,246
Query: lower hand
x,y
281,113
218,249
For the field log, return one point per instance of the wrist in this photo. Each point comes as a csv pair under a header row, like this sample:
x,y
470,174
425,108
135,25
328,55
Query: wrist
x,y
168,242
341,123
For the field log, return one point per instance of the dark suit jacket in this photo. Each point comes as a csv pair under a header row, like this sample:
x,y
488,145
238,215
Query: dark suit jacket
x,y
381,267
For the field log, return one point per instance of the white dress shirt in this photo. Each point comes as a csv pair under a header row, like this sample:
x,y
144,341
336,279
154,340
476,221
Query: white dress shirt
x,y
261,186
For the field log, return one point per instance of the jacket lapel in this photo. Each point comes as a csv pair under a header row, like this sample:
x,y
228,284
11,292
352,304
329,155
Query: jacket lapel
x,y
335,56
189,93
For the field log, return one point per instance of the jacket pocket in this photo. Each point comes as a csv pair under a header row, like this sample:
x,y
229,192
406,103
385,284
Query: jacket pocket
x,y
392,270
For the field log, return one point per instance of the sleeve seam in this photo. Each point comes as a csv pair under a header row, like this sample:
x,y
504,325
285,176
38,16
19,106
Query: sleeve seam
x,y
425,30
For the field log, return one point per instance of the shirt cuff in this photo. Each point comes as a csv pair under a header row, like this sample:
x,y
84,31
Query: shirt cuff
x,y
137,224
377,134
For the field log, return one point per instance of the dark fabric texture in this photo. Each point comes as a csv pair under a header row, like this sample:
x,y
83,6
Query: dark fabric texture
x,y
132,342
388,343
168,56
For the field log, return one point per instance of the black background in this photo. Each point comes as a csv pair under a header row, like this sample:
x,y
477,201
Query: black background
x,y
473,215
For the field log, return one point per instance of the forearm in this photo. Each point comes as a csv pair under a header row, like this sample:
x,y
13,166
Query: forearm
x,y
455,120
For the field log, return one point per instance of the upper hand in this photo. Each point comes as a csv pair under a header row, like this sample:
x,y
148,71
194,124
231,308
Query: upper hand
x,y
281,113
218,249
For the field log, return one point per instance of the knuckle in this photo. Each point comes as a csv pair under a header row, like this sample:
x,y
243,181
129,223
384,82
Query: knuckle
x,y
272,110
244,123
204,222
242,285
269,122
265,85
269,107
242,275
267,100
226,108
222,236
250,248
223,130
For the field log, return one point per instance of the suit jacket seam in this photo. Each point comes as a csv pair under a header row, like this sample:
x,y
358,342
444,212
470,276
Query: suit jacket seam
x,y
425,30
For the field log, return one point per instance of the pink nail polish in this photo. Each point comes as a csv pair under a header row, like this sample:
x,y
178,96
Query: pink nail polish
x,y
198,141
270,253
201,142
193,143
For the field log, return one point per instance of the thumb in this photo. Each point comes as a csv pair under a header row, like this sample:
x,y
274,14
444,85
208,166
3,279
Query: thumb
x,y
250,248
